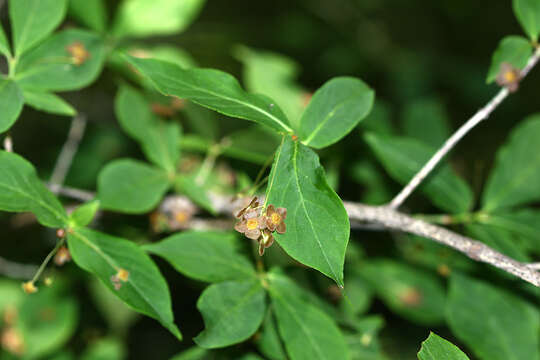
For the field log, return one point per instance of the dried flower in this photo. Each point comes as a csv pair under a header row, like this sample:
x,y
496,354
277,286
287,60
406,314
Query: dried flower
x,y
62,256
254,203
29,287
12,341
60,233
251,224
121,276
410,297
275,219
509,77
78,53
266,240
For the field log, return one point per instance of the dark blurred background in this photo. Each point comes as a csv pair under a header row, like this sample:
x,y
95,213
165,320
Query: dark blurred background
x,y
406,50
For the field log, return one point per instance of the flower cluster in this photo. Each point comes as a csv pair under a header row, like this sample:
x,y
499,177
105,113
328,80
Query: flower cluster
x,y
260,226
78,53
509,77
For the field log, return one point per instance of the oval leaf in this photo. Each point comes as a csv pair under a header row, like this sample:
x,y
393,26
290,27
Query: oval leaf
x,y
436,348
131,186
84,214
50,67
145,289
494,324
308,333
11,104
214,89
515,178
48,102
317,223
205,256
403,157
528,15
232,312
335,109
90,13
33,20
512,49
21,190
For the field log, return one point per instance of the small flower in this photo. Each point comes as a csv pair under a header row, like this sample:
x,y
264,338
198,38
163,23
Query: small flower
x,y
254,203
509,77
275,219
121,276
266,240
12,341
62,256
251,224
60,233
48,281
78,53
29,287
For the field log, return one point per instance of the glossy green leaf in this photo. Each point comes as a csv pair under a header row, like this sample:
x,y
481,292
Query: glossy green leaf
x,y
403,157
206,256
514,50
495,324
523,223
317,223
410,292
4,44
159,140
91,13
131,186
11,103
188,186
21,190
427,121
516,173
232,312
105,349
84,214
307,332
334,110
49,66
528,15
214,89
437,348
273,75
139,18
48,102
269,342
145,289
33,21
46,321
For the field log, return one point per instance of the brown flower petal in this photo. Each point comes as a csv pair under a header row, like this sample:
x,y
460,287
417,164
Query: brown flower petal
x,y
253,234
282,212
269,242
261,249
241,226
281,228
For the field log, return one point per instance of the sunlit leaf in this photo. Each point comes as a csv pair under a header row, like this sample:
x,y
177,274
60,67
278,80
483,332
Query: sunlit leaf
x,y
11,103
48,102
514,50
436,348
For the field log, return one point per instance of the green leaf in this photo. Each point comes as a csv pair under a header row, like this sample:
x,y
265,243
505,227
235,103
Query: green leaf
x,y
189,187
167,53
515,50
426,120
21,190
496,325
48,102
499,239
269,343
33,21
105,349
436,348
131,186
46,321
523,223
514,179
364,343
4,44
11,103
159,140
335,109
403,157
410,292
307,332
145,289
139,18
205,256
528,15
232,312
317,223
85,213
273,75
49,66
195,353
214,89
91,13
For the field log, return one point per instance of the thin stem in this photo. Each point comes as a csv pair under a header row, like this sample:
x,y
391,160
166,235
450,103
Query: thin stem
x,y
208,164
449,144
76,132
47,259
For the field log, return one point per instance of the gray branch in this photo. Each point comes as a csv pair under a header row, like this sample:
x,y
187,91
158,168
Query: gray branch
x,y
449,144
